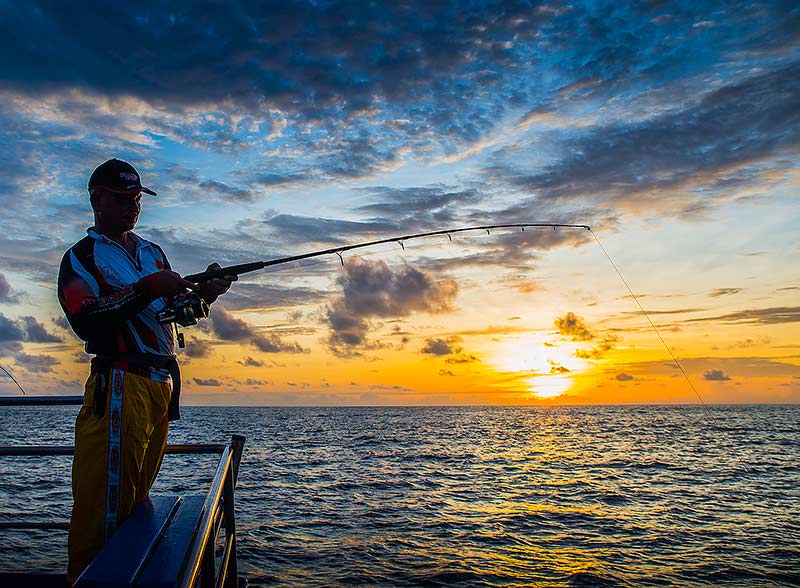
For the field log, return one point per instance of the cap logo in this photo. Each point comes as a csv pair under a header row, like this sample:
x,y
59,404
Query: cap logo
x,y
129,176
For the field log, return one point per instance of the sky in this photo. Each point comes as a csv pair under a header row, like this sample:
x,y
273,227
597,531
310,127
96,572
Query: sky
x,y
271,129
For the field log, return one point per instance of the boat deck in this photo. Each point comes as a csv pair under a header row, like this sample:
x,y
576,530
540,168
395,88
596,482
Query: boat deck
x,y
166,541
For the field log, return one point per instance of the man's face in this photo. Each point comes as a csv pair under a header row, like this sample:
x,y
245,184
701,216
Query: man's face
x,y
118,212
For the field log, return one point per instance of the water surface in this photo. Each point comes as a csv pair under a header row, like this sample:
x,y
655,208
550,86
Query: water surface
x,y
566,496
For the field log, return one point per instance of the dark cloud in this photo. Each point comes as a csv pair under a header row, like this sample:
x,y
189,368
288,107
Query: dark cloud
x,y
446,346
7,294
207,382
37,333
25,329
715,376
446,373
198,348
623,377
225,191
735,125
36,363
373,289
556,368
271,343
573,326
229,328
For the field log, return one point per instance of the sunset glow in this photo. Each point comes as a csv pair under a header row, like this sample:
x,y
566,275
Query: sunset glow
x,y
670,129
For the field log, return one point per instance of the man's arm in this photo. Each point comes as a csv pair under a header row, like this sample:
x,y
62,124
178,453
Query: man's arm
x,y
91,314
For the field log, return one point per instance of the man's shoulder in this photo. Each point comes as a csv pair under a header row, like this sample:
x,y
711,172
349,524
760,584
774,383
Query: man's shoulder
x,y
81,248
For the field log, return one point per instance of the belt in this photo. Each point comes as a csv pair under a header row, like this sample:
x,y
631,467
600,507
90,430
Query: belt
x,y
102,364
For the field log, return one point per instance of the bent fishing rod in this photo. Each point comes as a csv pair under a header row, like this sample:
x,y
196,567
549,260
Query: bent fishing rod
x,y
187,308
257,265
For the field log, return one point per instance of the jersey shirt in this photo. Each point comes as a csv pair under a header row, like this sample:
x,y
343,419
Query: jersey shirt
x,y
104,302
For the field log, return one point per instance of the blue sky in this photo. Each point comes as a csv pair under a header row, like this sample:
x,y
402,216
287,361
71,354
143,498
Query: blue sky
x,y
271,129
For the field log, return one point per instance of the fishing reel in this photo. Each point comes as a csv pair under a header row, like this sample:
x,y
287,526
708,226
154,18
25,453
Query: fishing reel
x,y
184,309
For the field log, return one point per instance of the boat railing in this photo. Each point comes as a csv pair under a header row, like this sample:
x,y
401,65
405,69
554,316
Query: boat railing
x,y
207,563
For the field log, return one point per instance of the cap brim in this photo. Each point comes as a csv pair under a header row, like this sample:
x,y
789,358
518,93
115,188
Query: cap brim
x,y
134,191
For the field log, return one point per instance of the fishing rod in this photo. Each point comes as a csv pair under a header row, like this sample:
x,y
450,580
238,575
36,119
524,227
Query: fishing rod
x,y
187,308
13,379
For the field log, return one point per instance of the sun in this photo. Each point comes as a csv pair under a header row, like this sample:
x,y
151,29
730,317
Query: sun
x,y
546,367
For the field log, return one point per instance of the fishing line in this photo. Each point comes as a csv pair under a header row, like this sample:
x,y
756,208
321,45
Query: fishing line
x,y
13,379
664,343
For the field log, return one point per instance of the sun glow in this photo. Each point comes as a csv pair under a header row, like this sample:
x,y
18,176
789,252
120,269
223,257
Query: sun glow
x,y
545,366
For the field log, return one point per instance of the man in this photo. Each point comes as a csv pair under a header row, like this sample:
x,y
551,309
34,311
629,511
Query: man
x,y
111,285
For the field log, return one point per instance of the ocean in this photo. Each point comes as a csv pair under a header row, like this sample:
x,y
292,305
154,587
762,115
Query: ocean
x,y
564,496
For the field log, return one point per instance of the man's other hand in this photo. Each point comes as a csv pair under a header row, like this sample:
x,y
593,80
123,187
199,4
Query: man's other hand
x,y
215,287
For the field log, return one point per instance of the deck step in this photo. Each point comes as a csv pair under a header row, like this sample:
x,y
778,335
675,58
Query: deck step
x,y
165,567
122,559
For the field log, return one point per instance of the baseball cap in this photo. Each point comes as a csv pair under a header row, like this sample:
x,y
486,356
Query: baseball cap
x,y
119,177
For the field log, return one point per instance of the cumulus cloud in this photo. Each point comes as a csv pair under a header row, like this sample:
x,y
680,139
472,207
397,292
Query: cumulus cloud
x,y
374,290
573,326
447,346
623,377
198,348
227,327
715,376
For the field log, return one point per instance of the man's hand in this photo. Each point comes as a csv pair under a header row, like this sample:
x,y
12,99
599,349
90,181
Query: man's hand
x,y
166,283
215,287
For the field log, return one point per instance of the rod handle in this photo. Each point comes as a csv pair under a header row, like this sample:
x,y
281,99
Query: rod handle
x,y
231,270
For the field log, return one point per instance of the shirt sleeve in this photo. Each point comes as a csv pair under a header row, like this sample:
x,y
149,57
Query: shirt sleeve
x,y
92,310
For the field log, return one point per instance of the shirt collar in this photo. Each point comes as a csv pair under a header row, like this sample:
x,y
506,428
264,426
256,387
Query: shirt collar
x,y
103,239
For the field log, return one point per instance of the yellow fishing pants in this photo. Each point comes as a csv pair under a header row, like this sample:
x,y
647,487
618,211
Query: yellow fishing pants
x,y
117,458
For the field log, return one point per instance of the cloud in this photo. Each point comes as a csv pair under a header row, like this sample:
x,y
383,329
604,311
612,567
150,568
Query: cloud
x,y
271,343
250,362
573,326
446,346
639,162
198,348
373,289
25,329
207,382
446,373
756,316
7,294
229,328
623,377
36,363
715,376
37,333
724,292
463,358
